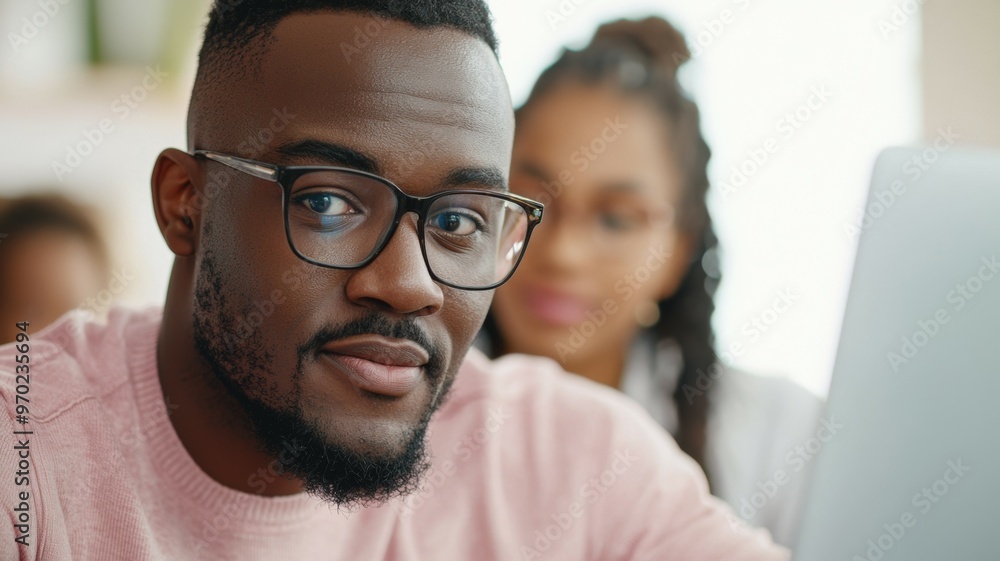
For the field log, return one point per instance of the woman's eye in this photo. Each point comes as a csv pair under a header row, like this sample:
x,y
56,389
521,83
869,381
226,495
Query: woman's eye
x,y
327,204
455,223
617,222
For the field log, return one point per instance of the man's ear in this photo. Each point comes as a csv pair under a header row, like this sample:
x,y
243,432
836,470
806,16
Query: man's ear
x,y
175,200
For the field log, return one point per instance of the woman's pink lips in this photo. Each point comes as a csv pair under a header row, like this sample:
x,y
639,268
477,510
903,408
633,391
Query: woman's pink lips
x,y
555,308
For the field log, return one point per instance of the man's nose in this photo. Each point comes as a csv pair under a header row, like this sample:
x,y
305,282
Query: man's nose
x,y
397,281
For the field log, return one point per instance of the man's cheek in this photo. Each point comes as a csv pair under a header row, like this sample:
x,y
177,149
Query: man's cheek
x,y
466,311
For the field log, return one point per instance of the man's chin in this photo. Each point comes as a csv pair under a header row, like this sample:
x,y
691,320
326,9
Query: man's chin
x,y
382,439
368,468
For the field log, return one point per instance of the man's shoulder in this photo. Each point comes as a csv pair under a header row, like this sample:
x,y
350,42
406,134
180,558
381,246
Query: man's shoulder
x,y
77,357
539,386
76,422
542,415
556,448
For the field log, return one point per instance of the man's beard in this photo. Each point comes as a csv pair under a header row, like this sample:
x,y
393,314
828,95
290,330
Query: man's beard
x,y
301,449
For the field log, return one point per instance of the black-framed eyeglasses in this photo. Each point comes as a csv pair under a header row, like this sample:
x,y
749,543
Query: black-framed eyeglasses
x,y
342,218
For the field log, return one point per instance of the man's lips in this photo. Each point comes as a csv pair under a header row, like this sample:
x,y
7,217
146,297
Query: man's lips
x,y
390,367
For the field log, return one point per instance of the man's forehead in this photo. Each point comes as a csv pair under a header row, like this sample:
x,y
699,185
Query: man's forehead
x,y
384,87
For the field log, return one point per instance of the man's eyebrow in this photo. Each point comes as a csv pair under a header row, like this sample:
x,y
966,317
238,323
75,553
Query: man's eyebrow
x,y
491,178
332,154
339,155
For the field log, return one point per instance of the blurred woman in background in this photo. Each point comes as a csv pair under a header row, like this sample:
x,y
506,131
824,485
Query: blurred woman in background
x,y
618,284
52,259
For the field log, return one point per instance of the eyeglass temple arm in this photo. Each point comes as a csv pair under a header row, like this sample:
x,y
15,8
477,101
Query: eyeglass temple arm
x,y
255,169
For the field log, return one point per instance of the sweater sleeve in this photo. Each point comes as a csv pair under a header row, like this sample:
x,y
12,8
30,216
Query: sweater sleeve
x,y
670,511
608,467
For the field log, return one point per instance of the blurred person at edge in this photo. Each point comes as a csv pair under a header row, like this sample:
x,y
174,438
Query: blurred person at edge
x,y
52,259
609,142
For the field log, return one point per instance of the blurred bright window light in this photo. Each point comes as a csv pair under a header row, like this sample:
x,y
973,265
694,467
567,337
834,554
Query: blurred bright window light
x,y
797,98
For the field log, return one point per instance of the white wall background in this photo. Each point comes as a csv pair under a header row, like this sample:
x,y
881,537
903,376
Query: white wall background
x,y
783,230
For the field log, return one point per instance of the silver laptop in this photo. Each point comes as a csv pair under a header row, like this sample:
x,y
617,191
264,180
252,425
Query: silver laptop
x,y
914,472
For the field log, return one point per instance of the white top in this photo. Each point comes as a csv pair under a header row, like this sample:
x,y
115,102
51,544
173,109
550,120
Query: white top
x,y
761,434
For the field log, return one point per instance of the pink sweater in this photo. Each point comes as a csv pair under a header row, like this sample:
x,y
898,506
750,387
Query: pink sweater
x,y
529,463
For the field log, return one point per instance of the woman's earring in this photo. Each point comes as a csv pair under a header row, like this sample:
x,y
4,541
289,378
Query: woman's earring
x,y
647,313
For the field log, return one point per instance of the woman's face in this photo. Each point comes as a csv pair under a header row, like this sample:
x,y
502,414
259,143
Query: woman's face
x,y
607,247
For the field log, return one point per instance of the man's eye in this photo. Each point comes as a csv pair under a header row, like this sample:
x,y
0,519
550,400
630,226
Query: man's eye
x,y
455,223
326,204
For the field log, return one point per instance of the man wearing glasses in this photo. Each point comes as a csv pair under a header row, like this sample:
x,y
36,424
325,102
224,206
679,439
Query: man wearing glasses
x,y
307,391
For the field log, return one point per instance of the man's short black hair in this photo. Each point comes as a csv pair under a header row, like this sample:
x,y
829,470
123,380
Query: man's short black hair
x,y
235,22
237,30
